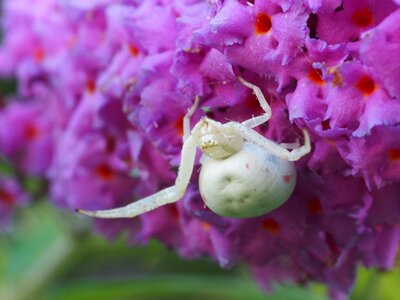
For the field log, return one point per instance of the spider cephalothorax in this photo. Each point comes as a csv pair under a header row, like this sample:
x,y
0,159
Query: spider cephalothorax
x,y
216,140
243,173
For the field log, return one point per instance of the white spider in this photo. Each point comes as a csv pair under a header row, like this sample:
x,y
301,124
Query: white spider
x,y
243,174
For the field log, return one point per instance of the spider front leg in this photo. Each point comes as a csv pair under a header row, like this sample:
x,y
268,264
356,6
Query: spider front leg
x,y
186,119
256,121
272,147
163,197
279,150
290,146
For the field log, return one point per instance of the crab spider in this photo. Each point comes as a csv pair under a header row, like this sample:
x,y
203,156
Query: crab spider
x,y
243,174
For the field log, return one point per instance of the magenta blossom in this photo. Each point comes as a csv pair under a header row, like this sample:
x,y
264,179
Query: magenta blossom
x,y
104,87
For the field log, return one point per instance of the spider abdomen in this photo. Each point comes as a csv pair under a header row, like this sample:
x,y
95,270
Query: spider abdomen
x,y
247,184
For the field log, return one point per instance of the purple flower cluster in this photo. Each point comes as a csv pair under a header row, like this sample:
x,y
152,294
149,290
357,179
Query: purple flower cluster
x,y
104,86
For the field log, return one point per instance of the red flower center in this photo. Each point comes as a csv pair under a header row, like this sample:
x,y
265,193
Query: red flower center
x,y
366,85
104,172
38,55
110,144
362,18
394,154
31,132
271,226
6,197
174,212
325,125
263,23
133,50
90,86
179,125
315,75
314,206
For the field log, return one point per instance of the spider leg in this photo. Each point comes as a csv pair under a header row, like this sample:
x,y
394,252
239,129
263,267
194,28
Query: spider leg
x,y
255,121
186,119
270,146
168,195
290,146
